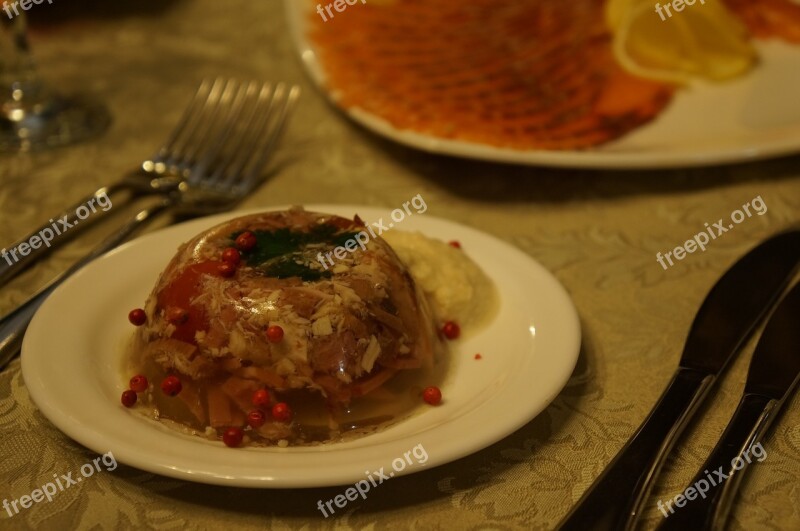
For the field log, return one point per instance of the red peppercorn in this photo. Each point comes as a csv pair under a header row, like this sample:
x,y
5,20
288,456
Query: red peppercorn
x,y
231,255
282,412
128,398
171,386
261,398
233,437
176,315
478,357
137,317
432,395
226,269
256,418
139,383
451,330
246,241
454,243
274,334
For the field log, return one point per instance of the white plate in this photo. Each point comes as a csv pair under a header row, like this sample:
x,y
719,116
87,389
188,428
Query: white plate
x,y
753,117
73,351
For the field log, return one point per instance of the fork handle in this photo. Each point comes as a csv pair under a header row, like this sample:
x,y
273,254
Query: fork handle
x,y
13,325
13,264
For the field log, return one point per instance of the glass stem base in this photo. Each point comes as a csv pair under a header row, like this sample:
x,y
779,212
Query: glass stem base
x,y
33,118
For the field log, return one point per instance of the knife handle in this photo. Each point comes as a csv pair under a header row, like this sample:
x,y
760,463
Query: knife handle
x,y
9,269
719,474
14,325
615,498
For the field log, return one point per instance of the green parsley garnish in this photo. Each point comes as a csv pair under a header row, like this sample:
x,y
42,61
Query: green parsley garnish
x,y
284,253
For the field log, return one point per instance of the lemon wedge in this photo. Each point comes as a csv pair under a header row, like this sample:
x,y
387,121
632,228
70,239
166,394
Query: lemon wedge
x,y
703,39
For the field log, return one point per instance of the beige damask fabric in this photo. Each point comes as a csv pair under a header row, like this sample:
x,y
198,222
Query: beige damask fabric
x,y
598,232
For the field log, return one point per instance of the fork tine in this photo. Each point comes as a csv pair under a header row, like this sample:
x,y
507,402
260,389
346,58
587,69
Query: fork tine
x,y
243,169
248,135
203,174
217,114
200,95
248,175
188,136
264,151
238,137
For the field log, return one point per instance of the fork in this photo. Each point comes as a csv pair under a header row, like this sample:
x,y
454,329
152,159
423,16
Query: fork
x,y
159,174
227,169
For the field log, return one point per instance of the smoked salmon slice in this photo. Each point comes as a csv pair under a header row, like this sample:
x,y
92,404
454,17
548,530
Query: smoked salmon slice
x,y
769,18
533,74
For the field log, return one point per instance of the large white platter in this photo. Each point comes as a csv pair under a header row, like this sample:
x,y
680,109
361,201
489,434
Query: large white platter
x,y
753,117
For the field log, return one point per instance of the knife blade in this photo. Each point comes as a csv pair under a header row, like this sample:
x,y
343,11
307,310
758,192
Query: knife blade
x,y
728,316
773,376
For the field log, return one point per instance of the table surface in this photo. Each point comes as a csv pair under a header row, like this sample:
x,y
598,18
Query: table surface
x,y
597,231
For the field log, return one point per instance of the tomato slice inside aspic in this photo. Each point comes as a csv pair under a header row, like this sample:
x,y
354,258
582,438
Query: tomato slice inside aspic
x,y
180,292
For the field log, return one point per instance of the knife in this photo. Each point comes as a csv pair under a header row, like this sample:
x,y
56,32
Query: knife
x,y
727,317
14,325
773,375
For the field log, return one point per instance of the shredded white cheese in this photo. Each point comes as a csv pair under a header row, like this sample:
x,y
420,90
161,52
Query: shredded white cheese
x,y
322,327
372,353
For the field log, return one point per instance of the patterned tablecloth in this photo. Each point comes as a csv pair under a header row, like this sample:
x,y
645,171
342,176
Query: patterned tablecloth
x,y
597,231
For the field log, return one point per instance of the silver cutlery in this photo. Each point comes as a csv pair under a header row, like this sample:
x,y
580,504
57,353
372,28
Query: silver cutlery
x,y
227,169
773,375
728,316
159,174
